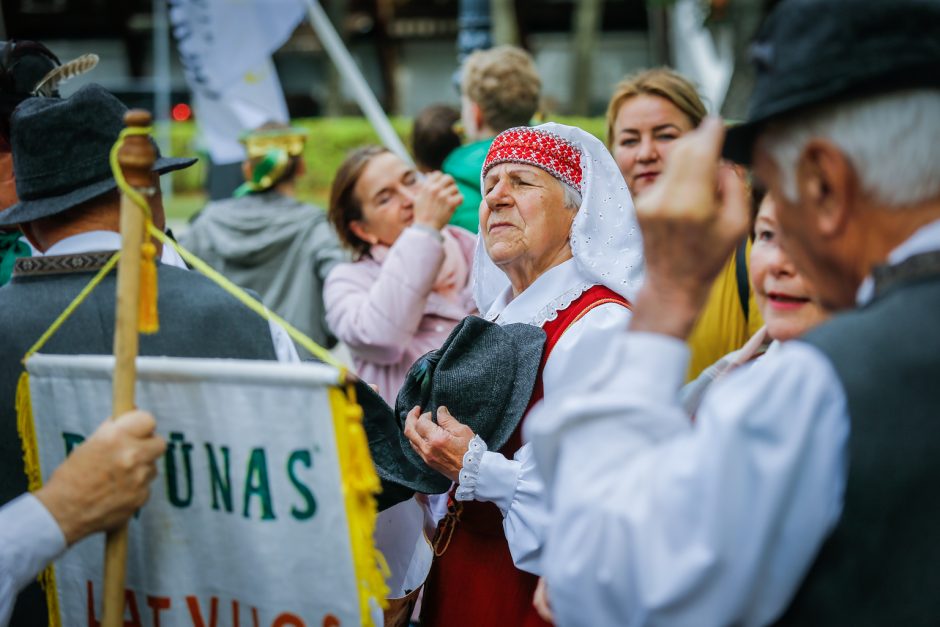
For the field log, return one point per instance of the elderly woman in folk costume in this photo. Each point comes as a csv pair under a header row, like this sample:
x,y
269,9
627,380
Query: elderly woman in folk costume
x,y
560,249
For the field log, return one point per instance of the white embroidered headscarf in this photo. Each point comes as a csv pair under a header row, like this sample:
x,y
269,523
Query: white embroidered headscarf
x,y
605,235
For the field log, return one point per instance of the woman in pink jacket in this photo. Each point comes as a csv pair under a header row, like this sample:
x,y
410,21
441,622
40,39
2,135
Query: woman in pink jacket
x,y
409,283
406,290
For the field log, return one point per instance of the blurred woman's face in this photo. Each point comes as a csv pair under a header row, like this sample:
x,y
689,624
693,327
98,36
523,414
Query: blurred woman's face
x,y
645,130
386,191
783,296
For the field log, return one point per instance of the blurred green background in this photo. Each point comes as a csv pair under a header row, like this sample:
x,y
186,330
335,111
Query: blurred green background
x,y
327,144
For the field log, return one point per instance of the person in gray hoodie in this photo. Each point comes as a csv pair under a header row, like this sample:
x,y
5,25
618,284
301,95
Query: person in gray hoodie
x,y
266,240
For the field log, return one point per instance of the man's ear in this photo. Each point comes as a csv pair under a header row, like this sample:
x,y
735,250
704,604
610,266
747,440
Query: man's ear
x,y
827,186
360,230
477,114
30,236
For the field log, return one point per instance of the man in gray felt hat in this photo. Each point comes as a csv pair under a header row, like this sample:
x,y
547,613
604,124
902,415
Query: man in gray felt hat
x,y
69,209
805,491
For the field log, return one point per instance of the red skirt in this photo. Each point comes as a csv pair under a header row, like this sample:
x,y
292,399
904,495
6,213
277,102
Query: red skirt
x,y
473,582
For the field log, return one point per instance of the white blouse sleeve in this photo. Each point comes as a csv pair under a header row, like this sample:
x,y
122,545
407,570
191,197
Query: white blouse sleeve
x,y
513,484
30,538
656,521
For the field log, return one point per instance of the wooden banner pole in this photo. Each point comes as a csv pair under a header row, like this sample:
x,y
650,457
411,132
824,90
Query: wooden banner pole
x,y
136,158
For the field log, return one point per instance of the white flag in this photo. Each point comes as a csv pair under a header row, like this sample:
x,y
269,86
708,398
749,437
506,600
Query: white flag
x,y
226,47
220,40
255,99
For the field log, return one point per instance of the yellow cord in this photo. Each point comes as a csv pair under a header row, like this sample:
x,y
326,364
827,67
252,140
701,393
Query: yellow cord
x,y
257,307
72,306
122,183
148,319
360,485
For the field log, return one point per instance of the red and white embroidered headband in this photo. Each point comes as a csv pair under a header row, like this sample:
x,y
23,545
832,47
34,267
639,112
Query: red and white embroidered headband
x,y
557,156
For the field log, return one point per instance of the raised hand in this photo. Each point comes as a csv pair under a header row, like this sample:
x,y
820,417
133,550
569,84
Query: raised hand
x,y
436,200
106,478
692,219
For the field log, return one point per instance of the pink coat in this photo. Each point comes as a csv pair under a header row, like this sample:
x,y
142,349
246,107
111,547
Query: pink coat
x,y
387,313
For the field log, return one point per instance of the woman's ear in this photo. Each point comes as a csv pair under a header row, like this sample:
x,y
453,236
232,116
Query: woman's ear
x,y
361,230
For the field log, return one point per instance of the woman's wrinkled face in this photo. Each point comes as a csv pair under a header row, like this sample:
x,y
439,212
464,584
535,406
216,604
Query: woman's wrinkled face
x,y
523,218
783,296
386,192
645,130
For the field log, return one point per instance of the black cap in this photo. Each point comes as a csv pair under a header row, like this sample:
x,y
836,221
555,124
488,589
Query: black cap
x,y
810,52
61,150
22,65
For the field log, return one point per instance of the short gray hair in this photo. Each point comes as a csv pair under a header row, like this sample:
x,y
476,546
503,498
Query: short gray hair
x,y
892,141
572,196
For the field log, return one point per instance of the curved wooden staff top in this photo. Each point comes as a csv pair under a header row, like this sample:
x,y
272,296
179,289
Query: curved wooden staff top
x,y
136,157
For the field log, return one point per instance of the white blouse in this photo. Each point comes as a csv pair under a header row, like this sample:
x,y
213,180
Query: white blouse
x,y
513,484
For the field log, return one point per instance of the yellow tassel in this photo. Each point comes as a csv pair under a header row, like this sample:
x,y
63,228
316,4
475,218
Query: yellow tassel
x,y
26,427
47,581
27,430
148,320
360,485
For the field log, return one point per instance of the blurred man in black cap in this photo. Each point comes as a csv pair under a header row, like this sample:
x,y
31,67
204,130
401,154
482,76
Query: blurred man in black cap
x,y
802,493
27,68
23,64
69,208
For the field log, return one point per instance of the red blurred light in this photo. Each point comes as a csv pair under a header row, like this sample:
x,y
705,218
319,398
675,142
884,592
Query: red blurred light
x,y
182,112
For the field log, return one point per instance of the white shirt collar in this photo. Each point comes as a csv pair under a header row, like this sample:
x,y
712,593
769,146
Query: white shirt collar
x,y
94,241
924,240
555,289
90,241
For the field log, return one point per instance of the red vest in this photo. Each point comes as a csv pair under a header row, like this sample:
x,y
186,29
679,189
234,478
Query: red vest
x,y
473,582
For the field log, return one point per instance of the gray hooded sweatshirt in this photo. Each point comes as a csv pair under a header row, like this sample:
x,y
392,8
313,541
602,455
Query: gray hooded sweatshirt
x,y
277,246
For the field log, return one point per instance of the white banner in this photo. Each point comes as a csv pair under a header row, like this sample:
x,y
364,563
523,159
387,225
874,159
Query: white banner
x,y
246,524
226,47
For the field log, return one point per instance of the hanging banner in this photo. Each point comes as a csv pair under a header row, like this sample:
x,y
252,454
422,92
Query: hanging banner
x,y
249,521
225,47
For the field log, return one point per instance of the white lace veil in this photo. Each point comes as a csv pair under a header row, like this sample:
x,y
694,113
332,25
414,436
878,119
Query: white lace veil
x,y
605,236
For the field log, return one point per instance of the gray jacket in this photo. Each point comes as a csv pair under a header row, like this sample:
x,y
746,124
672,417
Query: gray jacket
x,y
277,246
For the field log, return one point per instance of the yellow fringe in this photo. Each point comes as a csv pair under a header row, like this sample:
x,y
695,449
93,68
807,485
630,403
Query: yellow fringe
x,y
148,320
360,485
26,427
47,581
27,430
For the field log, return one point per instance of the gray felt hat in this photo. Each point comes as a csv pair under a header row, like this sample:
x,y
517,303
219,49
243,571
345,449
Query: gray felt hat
x,y
810,52
61,149
484,374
